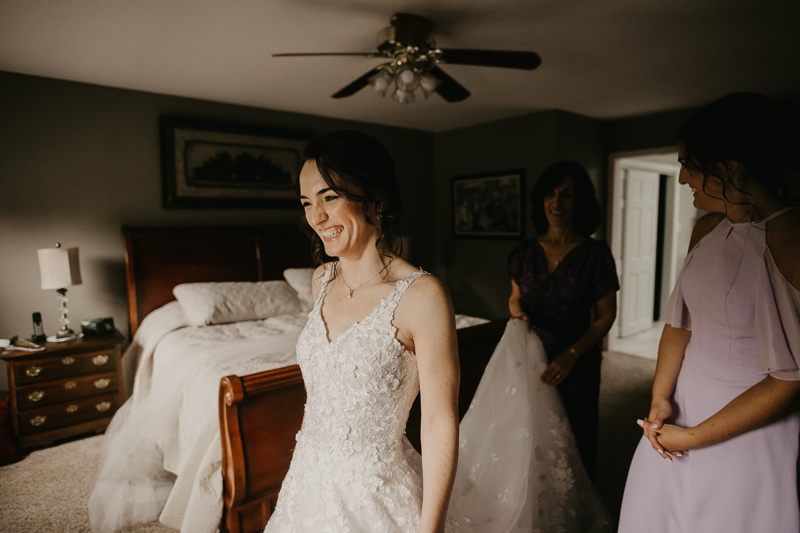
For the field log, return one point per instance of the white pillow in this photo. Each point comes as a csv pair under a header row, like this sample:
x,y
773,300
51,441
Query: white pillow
x,y
300,280
233,301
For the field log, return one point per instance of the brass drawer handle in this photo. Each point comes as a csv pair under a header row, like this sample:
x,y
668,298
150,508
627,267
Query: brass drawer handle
x,y
102,383
38,420
103,406
72,408
100,360
33,371
67,361
36,395
70,385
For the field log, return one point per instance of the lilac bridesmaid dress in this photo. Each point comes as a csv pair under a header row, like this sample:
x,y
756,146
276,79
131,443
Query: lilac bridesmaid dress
x,y
745,323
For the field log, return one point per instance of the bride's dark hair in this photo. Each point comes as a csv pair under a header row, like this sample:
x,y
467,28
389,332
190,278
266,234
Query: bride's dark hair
x,y
350,161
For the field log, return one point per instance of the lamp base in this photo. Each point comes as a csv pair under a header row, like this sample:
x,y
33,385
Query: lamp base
x,y
67,334
74,336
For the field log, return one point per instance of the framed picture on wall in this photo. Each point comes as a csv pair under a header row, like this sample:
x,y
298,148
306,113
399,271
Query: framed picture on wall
x,y
489,205
224,165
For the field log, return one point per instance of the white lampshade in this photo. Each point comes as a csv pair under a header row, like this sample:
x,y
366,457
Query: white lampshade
x,y
59,267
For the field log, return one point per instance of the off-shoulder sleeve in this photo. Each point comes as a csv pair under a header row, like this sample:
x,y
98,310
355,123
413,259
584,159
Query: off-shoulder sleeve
x,y
677,314
777,323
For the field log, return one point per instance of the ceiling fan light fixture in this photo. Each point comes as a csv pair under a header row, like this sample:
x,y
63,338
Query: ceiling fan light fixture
x,y
381,82
428,83
403,97
407,79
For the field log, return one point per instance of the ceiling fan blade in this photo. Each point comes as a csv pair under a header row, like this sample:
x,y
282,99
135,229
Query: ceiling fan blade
x,y
491,58
449,89
364,54
357,85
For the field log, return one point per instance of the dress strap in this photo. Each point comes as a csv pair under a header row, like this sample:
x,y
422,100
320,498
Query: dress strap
x,y
326,278
397,292
776,214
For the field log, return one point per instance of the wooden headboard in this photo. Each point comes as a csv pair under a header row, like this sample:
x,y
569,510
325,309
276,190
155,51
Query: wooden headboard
x,y
158,258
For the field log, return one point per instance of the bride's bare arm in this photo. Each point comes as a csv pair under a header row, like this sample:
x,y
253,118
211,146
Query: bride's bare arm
x,y
431,326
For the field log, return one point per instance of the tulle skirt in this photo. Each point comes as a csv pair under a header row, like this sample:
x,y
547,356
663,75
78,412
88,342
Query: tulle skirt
x,y
518,466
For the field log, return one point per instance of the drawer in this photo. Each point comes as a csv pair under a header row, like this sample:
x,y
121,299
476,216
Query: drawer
x,y
35,396
67,414
65,366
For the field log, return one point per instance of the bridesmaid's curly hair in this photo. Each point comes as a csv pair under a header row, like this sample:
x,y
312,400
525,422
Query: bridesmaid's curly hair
x,y
587,215
351,161
748,128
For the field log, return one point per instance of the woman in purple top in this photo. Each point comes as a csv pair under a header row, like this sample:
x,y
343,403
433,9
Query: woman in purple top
x,y
557,279
720,444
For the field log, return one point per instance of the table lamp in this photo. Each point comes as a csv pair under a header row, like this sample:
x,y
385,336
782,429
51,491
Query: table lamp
x,y
60,269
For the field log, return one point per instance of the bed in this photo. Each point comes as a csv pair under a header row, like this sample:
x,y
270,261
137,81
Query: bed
x,y
259,411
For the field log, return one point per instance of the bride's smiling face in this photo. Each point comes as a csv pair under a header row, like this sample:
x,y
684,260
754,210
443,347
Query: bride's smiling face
x,y
339,222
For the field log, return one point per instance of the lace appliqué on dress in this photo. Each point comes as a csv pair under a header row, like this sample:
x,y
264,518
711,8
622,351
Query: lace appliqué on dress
x,y
352,469
524,472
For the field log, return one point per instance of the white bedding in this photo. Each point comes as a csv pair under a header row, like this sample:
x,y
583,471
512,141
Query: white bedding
x,y
163,455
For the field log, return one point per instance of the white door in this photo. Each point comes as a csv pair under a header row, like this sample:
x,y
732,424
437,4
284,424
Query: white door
x,y
638,250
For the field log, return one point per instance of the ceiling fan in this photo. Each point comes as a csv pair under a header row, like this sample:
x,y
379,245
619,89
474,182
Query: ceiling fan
x,y
414,59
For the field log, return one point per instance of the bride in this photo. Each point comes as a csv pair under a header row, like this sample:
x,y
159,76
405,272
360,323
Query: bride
x,y
382,330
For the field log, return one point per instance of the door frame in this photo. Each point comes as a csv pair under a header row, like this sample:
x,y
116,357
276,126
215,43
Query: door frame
x,y
619,162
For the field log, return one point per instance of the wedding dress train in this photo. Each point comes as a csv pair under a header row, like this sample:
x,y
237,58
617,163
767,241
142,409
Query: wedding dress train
x,y
518,466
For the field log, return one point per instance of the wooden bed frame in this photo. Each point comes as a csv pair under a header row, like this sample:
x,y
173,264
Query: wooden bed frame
x,y
259,413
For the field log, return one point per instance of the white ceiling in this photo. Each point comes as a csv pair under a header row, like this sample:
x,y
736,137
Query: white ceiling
x,y
601,58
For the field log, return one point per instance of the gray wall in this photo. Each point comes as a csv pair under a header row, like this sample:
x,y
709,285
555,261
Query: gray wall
x,y
79,161
475,270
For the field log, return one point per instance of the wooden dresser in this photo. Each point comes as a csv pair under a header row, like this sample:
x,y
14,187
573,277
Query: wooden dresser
x,y
70,388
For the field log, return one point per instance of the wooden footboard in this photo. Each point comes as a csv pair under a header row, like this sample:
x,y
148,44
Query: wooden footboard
x,y
261,413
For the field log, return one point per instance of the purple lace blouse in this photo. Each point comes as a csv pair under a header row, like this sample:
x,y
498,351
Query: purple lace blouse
x,y
560,304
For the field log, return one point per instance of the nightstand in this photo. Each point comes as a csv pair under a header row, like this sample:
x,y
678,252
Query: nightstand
x,y
70,388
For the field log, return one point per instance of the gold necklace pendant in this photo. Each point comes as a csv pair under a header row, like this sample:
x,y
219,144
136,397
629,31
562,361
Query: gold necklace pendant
x,y
350,296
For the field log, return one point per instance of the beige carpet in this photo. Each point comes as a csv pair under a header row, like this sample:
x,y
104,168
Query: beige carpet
x,y
624,397
49,490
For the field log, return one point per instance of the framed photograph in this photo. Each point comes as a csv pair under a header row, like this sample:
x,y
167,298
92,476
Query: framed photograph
x,y
224,165
489,205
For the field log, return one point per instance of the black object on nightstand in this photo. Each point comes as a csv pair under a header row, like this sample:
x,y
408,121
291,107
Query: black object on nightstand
x,y
97,326
38,329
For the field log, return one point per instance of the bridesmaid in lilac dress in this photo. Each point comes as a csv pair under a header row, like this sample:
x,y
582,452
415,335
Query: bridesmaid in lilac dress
x,y
720,444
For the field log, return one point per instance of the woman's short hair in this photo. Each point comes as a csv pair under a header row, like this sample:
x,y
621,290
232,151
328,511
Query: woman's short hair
x,y
358,167
587,215
748,128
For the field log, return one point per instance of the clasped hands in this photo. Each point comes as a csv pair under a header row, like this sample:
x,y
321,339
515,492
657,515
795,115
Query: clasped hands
x,y
667,439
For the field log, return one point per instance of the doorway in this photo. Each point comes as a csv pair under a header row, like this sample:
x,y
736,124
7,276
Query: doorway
x,y
651,221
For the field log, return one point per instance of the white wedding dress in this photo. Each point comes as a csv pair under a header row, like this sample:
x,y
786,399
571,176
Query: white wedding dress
x,y
353,471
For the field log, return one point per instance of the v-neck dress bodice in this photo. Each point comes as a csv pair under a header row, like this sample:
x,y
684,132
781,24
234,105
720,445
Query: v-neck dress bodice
x,y
559,304
353,470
